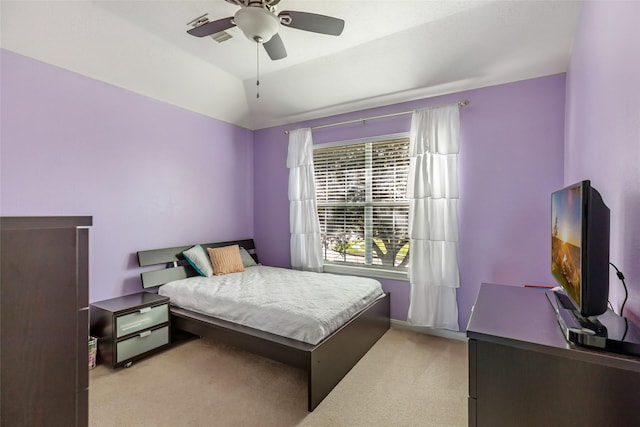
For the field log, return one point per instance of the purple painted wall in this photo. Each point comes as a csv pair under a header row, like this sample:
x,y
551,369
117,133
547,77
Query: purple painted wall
x,y
511,160
151,175
603,129
154,175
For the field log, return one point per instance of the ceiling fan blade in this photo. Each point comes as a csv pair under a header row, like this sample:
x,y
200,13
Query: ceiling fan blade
x,y
212,27
275,48
313,22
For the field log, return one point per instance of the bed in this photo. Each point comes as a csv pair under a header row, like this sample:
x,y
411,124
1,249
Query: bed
x,y
325,362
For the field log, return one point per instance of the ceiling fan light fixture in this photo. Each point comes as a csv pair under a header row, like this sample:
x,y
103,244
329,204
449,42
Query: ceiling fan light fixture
x,y
257,24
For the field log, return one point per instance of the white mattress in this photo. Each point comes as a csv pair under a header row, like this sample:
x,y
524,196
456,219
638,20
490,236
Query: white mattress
x,y
301,305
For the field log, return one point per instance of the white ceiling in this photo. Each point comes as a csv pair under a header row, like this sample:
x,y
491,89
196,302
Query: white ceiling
x,y
390,51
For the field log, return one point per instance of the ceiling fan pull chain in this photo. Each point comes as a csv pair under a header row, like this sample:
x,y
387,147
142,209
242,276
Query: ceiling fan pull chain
x,y
257,70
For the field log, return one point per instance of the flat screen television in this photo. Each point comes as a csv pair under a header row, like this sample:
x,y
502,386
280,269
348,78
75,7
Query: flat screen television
x,y
580,247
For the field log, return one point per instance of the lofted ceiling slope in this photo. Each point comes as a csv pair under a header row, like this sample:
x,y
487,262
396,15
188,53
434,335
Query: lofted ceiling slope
x,y
390,51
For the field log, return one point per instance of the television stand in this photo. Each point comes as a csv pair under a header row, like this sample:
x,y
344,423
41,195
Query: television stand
x,y
571,320
522,370
608,331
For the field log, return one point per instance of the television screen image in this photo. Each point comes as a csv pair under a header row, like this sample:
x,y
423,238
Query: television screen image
x,y
580,246
580,228
566,216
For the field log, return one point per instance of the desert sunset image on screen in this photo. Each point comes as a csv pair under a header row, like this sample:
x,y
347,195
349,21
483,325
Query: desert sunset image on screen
x,y
565,239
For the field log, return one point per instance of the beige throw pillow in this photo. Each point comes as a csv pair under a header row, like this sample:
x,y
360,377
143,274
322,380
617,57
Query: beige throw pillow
x,y
226,260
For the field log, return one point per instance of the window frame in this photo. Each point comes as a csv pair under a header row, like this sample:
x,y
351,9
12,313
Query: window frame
x,y
375,271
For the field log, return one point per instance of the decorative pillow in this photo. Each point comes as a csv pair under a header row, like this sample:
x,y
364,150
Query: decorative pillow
x,y
247,259
226,260
197,257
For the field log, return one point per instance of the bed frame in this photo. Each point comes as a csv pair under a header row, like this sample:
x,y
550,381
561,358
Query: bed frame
x,y
326,363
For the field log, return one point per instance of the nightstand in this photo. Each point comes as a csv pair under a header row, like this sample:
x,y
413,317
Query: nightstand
x,y
130,327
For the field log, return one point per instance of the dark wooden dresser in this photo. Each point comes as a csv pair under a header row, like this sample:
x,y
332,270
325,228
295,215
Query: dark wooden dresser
x,y
522,371
44,321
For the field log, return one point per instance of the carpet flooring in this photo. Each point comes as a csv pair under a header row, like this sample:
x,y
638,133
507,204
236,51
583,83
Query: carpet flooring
x,y
406,379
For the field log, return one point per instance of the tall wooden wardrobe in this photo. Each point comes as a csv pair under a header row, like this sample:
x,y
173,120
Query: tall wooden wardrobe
x,y
44,321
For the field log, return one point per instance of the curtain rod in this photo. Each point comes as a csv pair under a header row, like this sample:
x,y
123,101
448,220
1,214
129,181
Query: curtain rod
x,y
462,103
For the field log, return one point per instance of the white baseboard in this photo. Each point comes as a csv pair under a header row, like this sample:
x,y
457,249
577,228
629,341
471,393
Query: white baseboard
x,y
443,333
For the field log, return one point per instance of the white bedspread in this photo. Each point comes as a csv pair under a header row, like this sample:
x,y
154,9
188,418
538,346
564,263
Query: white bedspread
x,y
296,304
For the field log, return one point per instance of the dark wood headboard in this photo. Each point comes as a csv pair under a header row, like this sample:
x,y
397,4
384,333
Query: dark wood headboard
x,y
175,266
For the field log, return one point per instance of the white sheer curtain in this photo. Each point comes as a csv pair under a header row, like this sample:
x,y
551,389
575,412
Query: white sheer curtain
x,y
306,246
432,189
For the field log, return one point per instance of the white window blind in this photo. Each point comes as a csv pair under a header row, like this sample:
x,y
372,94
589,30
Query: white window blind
x,y
362,204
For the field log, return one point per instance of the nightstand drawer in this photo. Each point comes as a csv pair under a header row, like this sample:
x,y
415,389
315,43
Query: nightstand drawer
x,y
145,341
145,318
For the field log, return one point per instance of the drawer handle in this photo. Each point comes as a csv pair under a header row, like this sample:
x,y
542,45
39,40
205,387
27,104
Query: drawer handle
x,y
145,334
145,310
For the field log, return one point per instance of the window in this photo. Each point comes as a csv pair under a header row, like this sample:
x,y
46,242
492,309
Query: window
x,y
362,204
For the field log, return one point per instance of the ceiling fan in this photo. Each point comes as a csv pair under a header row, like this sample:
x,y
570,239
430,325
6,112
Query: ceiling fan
x,y
258,21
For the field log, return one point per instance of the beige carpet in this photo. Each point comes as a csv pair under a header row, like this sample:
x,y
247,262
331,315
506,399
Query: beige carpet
x,y
406,379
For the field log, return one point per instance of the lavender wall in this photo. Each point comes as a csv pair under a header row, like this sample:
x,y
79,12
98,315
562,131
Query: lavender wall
x,y
511,160
151,175
154,175
603,129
